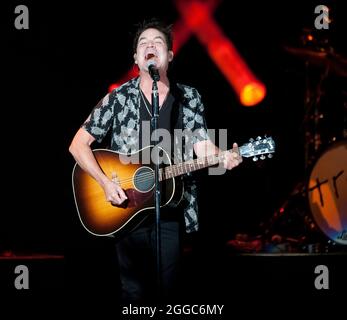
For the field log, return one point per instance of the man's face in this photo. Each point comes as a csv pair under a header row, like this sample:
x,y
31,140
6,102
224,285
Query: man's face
x,y
152,46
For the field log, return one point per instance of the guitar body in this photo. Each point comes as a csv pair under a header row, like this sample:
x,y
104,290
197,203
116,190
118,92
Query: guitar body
x,y
136,178
99,216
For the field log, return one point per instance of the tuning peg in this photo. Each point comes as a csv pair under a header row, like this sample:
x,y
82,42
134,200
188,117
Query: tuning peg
x,y
258,138
255,159
270,155
251,140
262,157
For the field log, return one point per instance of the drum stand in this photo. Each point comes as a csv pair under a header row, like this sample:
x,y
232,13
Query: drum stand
x,y
290,224
313,116
293,213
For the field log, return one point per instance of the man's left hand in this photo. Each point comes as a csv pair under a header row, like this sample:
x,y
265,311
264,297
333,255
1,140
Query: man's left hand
x,y
232,158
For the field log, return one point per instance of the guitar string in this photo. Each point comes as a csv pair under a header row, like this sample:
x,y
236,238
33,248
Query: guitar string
x,y
145,176
141,178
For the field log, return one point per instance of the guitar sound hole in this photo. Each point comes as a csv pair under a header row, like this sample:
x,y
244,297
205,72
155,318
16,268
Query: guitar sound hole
x,y
144,179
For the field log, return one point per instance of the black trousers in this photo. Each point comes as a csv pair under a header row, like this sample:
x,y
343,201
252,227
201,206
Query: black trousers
x,y
136,254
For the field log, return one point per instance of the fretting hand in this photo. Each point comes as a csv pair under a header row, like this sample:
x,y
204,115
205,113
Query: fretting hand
x,y
232,158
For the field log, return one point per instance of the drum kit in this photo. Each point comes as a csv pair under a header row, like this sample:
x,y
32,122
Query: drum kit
x,y
316,210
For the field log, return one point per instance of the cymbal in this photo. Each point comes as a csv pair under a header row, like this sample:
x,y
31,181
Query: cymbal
x,y
325,58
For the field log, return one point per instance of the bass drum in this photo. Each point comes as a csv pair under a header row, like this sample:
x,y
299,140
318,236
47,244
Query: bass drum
x,y
327,192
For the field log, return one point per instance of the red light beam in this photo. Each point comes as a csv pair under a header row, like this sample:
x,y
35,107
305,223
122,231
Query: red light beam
x,y
221,50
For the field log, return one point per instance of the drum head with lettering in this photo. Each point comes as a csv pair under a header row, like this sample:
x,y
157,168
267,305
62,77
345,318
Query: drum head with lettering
x,y
328,192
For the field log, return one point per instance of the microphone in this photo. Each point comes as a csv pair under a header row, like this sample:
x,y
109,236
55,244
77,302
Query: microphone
x,y
153,70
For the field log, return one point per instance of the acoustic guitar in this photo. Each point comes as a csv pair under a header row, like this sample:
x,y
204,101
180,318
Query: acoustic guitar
x,y
101,218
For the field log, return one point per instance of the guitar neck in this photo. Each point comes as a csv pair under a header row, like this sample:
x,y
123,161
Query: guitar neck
x,y
260,147
190,166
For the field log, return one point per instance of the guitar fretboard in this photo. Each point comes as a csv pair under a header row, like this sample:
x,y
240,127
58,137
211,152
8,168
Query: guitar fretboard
x,y
190,166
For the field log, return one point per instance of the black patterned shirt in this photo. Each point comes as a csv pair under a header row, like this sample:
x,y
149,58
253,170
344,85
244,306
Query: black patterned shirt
x,y
119,111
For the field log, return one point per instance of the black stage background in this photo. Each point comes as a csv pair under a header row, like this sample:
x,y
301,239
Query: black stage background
x,y
55,72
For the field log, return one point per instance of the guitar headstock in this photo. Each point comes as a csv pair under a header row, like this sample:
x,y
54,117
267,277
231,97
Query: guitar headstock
x,y
258,147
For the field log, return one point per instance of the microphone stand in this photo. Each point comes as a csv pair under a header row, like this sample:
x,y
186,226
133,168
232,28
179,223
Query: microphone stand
x,y
154,127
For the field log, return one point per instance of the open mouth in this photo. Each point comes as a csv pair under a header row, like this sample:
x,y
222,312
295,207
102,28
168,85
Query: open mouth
x,y
150,55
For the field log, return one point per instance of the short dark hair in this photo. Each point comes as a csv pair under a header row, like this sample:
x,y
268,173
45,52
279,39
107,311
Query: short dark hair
x,y
154,23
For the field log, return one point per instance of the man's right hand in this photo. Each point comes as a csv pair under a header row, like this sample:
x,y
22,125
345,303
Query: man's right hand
x,y
114,193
